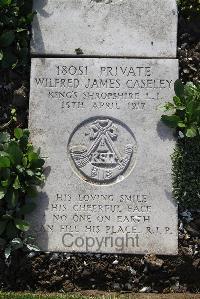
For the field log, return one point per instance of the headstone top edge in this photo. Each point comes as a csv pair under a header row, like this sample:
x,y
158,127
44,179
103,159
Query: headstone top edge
x,y
105,28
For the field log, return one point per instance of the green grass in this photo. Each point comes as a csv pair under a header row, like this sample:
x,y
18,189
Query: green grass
x,y
98,296
38,296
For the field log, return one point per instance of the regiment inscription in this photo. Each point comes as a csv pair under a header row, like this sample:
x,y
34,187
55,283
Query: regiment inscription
x,y
108,187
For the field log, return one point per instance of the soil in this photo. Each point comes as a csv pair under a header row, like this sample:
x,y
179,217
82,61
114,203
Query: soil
x,y
65,272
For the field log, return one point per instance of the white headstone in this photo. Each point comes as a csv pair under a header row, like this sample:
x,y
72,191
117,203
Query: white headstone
x,y
98,125
136,28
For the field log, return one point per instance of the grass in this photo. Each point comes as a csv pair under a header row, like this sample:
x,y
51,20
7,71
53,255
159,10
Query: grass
x,y
11,295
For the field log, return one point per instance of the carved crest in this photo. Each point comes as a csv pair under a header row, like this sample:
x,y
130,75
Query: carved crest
x,y
101,160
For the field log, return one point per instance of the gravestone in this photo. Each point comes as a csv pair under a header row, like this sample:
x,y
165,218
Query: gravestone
x,y
96,119
146,28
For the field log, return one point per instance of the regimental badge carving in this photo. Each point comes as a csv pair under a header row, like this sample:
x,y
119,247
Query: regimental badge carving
x,y
102,150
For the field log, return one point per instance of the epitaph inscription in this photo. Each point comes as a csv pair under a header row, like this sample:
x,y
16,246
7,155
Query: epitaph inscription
x,y
108,187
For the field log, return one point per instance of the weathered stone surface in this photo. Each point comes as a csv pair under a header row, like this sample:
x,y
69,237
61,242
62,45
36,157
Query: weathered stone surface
x,y
108,185
134,28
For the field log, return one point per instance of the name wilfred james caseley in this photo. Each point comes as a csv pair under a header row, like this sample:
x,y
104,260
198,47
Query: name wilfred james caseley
x,y
98,243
